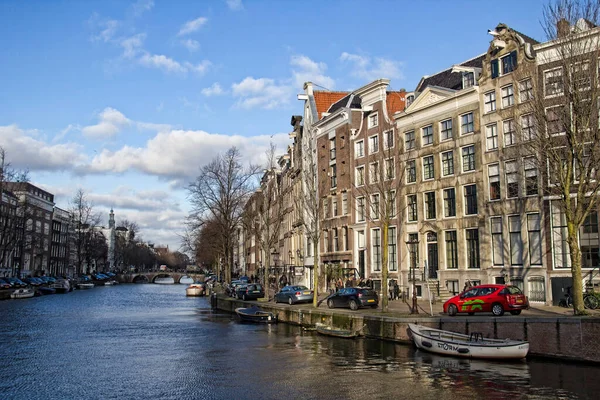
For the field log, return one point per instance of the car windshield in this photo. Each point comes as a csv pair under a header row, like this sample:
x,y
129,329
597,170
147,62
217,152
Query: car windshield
x,y
513,290
299,288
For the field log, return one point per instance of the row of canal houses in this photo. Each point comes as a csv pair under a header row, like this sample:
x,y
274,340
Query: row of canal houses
x,y
466,202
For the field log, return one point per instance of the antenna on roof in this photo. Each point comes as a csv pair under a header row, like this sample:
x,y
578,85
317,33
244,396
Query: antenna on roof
x,y
323,87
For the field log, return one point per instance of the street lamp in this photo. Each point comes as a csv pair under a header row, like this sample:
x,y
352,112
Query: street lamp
x,y
412,244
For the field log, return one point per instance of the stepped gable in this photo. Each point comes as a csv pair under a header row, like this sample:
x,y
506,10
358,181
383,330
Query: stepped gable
x,y
324,100
449,79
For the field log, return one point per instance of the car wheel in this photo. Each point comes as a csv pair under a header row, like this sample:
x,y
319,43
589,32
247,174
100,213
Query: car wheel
x,y
515,312
290,301
452,310
353,305
497,310
330,303
244,297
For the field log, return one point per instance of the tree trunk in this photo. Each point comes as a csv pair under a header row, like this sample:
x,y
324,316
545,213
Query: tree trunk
x,y
315,275
577,288
266,283
384,268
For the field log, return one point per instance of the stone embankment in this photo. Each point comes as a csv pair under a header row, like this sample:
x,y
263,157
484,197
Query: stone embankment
x,y
564,337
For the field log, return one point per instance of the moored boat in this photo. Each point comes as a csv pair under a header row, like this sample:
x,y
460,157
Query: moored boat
x,y
44,290
330,331
468,346
22,293
61,286
196,289
255,314
85,285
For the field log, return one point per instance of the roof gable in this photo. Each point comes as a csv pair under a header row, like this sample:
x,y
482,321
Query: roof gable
x,y
324,100
431,94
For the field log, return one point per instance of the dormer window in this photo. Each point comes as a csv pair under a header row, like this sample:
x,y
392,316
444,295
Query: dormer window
x,y
410,99
468,79
504,65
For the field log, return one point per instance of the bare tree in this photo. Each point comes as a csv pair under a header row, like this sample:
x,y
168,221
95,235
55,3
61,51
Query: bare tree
x,y
11,210
219,193
84,221
264,221
559,126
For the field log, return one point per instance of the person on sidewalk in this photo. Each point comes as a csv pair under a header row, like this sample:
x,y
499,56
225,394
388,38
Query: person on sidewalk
x,y
396,290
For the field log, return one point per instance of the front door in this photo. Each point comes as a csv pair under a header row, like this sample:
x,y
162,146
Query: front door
x,y
432,260
361,263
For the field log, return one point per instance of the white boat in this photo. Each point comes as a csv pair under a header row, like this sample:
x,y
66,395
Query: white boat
x,y
109,283
196,289
85,285
186,280
468,346
61,286
22,294
164,280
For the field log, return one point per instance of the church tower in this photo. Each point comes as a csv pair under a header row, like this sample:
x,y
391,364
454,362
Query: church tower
x,y
111,240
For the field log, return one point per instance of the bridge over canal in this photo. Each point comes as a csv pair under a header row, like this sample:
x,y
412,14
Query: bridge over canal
x,y
149,277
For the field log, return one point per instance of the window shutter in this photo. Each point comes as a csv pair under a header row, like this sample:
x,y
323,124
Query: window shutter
x,y
513,59
494,66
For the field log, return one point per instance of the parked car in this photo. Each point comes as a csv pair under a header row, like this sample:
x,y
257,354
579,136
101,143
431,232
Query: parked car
x,y
354,298
16,282
294,294
232,287
4,284
488,298
250,291
34,281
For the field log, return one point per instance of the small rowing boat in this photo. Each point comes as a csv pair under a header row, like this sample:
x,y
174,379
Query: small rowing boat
x,y
468,346
330,331
22,293
255,314
195,289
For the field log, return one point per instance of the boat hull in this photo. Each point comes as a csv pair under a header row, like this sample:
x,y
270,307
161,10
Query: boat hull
x,y
459,345
22,294
255,315
341,333
194,291
85,285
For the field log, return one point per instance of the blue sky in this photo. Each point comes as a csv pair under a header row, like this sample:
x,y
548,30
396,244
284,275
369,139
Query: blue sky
x,y
128,99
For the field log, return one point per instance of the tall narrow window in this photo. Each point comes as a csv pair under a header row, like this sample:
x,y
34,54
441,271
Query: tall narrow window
x,y
376,240
466,123
359,148
373,120
374,172
446,129
497,242
449,202
409,140
326,241
508,96
473,260
334,206
448,163
375,206
411,171
494,178
525,90
373,144
391,197
413,250
589,241
451,250
512,179
360,175
332,149
470,199
333,173
553,82
516,243
535,239
491,134
468,79
531,176
428,170
554,121
345,238
411,201
430,205
390,169
360,209
468,158
489,100
345,203
527,127
335,240
392,250
510,136
427,135
388,139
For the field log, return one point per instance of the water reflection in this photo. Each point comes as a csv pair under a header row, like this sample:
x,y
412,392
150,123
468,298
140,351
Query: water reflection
x,y
151,341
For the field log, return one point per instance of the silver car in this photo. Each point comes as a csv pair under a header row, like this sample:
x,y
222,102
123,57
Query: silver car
x,y
294,294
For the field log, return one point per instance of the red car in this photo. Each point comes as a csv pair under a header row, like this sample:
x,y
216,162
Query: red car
x,y
488,298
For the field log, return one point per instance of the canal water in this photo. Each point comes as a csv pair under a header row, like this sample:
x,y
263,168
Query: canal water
x,y
153,342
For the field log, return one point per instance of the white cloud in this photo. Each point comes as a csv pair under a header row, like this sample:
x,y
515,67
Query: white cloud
x,y
24,151
260,93
192,26
132,45
308,70
200,68
108,28
111,122
369,69
162,62
141,6
191,44
235,5
214,90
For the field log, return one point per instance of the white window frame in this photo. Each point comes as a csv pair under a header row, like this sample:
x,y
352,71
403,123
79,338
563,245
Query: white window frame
x,y
375,199
553,71
489,102
376,263
358,174
507,94
373,144
442,130
387,163
510,137
491,140
472,123
432,167
359,148
388,136
442,163
359,210
462,158
373,120
413,140
525,87
430,137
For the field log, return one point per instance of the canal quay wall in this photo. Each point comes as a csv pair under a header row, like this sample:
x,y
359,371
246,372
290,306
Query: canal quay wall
x,y
565,337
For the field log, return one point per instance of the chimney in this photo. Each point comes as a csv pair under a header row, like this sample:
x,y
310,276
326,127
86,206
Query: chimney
x,y
308,88
562,28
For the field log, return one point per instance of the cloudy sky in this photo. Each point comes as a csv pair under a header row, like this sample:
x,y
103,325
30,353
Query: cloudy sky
x,y
128,99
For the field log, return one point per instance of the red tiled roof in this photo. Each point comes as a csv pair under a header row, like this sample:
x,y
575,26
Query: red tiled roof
x,y
324,100
396,101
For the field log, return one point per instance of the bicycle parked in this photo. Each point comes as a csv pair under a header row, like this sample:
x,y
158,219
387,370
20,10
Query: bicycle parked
x,y
590,300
